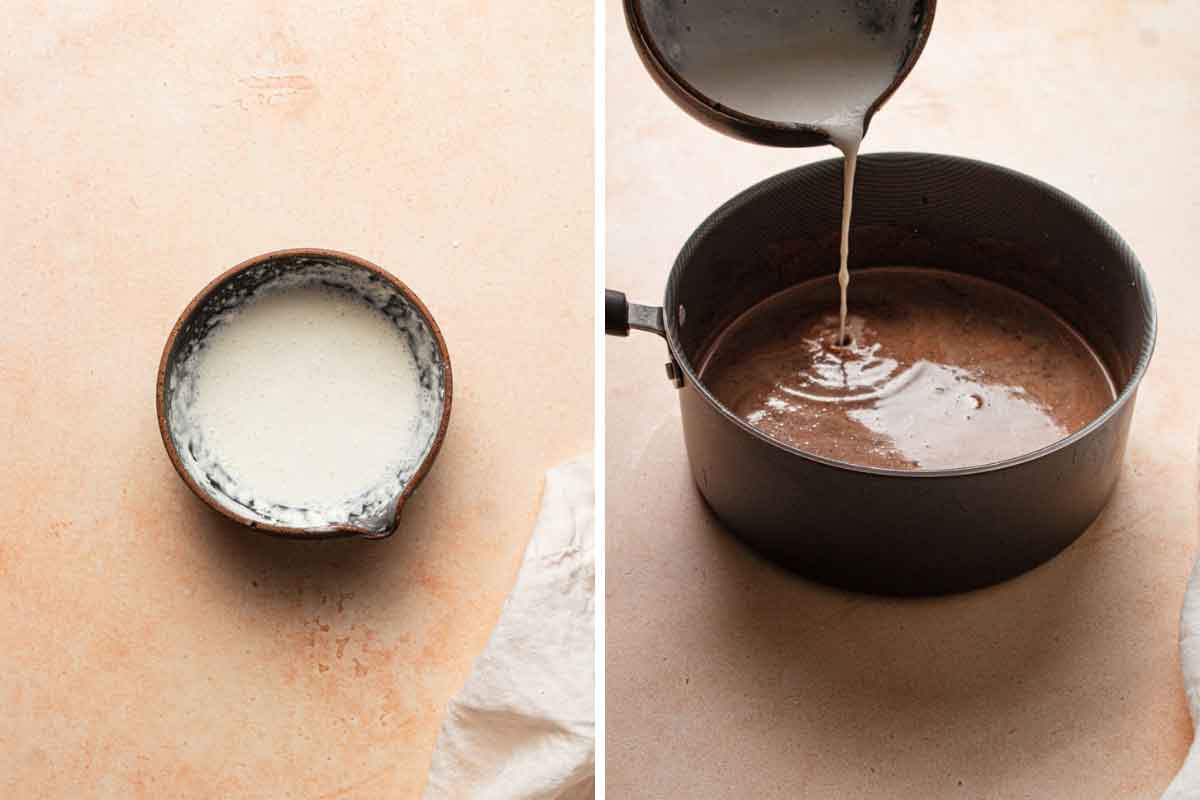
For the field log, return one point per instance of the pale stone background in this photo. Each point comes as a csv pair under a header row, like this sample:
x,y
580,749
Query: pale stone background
x,y
149,649
728,678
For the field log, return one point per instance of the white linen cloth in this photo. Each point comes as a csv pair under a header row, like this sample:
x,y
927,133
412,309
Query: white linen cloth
x,y
523,725
1186,785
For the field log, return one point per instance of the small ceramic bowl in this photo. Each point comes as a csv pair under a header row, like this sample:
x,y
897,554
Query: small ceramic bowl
x,y
373,514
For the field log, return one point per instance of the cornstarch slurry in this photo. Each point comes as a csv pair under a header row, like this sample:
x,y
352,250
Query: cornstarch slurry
x,y
309,397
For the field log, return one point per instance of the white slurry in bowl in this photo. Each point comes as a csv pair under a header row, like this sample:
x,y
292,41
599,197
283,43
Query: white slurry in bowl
x,y
309,401
309,395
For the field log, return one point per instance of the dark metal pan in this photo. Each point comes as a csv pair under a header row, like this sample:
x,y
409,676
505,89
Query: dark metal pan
x,y
891,531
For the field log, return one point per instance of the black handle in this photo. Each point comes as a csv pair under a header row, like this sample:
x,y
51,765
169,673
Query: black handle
x,y
616,313
620,316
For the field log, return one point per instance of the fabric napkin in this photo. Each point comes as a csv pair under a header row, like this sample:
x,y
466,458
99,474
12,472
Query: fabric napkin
x,y
523,724
1186,785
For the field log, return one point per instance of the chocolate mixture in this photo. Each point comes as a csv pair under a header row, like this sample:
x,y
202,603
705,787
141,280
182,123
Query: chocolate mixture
x,y
942,371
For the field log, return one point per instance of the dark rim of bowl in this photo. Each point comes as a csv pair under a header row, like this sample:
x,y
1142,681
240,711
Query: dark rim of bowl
x,y
721,111
750,194
291,531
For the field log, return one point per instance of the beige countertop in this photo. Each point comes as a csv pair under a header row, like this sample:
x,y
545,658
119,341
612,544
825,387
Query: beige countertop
x,y
729,678
148,648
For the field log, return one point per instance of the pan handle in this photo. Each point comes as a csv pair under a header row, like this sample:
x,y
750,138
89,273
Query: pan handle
x,y
620,315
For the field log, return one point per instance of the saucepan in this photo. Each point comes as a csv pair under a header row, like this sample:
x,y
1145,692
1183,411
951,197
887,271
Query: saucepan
x,y
892,531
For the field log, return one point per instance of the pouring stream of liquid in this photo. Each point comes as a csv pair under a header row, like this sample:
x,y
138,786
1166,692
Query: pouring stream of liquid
x,y
822,64
849,148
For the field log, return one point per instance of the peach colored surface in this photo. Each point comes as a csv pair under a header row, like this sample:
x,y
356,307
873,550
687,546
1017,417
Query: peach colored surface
x,y
728,678
149,648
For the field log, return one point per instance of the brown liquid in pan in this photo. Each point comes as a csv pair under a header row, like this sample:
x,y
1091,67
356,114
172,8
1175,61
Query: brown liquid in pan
x,y
942,371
